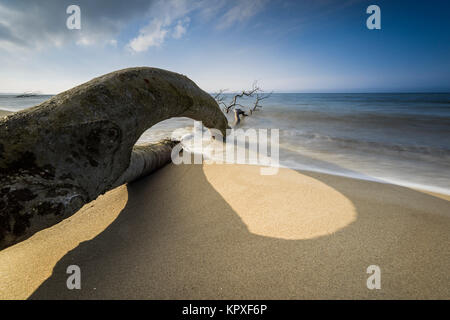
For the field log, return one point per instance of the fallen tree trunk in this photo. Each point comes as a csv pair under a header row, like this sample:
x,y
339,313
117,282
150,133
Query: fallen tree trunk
x,y
65,152
145,159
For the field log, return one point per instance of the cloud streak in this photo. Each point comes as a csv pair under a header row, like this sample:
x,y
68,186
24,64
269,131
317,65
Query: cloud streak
x,y
167,18
181,28
152,35
241,12
38,24
31,25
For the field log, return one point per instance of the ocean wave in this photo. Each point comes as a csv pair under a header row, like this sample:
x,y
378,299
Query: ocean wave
x,y
382,119
372,146
363,176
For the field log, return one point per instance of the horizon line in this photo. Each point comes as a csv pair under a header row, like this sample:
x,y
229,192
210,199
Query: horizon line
x,y
284,92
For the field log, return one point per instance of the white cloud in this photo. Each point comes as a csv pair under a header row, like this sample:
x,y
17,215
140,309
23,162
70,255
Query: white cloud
x,y
84,41
170,18
240,13
152,35
180,29
31,26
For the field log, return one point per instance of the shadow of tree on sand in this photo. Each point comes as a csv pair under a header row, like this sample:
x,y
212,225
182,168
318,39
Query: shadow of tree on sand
x,y
172,247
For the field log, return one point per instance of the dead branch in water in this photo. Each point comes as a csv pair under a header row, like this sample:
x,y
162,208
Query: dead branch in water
x,y
220,98
255,91
259,98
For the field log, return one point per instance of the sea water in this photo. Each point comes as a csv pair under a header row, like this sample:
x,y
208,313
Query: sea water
x,y
399,138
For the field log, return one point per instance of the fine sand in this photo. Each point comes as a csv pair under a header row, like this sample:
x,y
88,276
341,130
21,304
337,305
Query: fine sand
x,y
226,232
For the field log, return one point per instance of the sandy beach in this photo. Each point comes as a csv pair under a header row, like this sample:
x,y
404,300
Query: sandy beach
x,y
226,232
4,113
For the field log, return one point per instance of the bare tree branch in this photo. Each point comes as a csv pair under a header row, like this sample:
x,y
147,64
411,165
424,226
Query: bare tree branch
x,y
235,104
220,98
260,97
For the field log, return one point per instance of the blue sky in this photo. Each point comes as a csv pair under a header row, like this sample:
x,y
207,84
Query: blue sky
x,y
289,46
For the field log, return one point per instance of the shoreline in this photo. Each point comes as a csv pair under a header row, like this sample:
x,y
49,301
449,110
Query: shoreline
x,y
362,177
225,232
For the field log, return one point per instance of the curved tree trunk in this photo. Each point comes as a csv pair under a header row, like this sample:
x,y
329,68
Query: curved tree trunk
x,y
65,152
145,159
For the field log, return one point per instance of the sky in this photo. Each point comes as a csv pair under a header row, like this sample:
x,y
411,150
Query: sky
x,y
288,46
